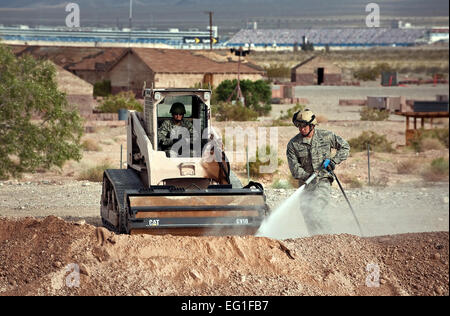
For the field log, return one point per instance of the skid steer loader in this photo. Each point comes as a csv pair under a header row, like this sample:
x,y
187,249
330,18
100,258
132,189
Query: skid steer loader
x,y
192,194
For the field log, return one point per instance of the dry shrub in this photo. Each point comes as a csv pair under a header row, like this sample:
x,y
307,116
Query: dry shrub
x,y
350,181
283,184
437,171
431,144
380,181
91,145
95,174
441,134
409,166
369,114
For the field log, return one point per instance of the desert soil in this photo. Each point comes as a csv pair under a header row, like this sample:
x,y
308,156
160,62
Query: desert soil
x,y
50,226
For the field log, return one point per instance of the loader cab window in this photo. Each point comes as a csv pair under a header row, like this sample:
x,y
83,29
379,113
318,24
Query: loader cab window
x,y
165,105
195,109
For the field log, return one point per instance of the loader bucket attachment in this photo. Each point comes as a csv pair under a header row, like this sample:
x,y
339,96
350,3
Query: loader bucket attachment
x,y
211,212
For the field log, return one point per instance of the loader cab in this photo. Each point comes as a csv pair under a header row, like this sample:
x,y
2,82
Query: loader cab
x,y
196,103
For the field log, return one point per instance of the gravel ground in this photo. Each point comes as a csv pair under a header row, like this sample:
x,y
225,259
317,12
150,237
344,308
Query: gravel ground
x,y
381,211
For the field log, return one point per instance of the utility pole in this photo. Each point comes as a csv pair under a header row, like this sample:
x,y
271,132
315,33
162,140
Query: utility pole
x,y
210,29
131,14
239,96
129,41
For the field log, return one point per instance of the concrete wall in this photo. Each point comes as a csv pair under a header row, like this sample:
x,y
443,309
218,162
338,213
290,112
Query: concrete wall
x,y
183,80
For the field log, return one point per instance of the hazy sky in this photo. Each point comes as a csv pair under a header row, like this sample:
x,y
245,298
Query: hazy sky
x,y
227,13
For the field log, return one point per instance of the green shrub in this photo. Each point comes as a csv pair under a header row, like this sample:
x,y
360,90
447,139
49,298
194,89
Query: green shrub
x,y
229,112
102,88
420,136
123,100
368,114
377,142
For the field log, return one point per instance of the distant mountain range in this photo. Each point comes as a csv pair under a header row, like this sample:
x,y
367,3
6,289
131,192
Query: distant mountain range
x,y
228,14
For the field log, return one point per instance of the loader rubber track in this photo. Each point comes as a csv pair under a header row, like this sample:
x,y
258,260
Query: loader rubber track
x,y
121,181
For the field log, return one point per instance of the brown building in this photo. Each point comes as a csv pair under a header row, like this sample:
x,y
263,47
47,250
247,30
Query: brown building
x,y
316,71
128,69
89,63
171,68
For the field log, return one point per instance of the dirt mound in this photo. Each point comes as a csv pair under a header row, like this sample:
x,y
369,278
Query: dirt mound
x,y
54,257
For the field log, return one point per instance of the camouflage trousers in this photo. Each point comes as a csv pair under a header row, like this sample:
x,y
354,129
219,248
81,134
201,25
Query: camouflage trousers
x,y
313,205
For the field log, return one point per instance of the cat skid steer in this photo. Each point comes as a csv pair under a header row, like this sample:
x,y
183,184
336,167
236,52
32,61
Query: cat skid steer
x,y
163,192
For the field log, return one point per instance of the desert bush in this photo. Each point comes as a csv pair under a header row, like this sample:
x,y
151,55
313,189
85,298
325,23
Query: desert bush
x,y
377,142
431,144
437,171
371,73
350,181
95,173
102,88
368,114
90,145
282,184
380,181
123,100
278,71
290,112
229,112
440,134
256,162
409,166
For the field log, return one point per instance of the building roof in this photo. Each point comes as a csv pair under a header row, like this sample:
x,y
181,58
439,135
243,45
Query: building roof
x,y
75,58
183,61
159,60
71,84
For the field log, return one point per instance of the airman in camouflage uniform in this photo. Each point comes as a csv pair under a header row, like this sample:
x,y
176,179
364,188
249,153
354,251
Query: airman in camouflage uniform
x,y
306,153
171,126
